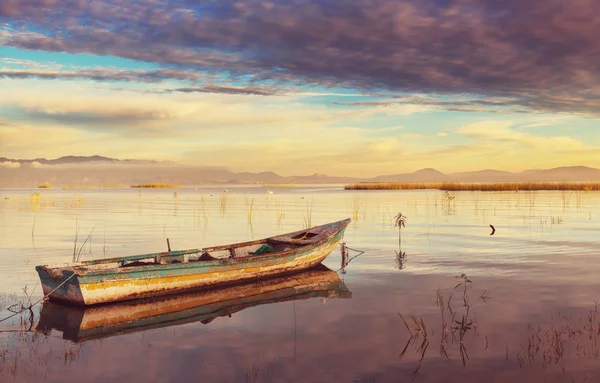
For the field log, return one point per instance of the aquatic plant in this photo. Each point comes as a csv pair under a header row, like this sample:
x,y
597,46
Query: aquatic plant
x,y
356,207
249,209
465,281
400,259
77,253
449,327
158,185
280,214
223,202
307,214
420,331
477,186
448,203
444,331
400,221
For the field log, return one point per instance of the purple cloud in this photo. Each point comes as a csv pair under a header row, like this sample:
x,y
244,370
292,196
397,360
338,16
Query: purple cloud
x,y
227,90
542,54
103,74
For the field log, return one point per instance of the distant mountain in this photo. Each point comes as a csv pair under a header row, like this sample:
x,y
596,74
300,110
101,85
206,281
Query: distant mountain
x,y
101,171
565,173
423,175
73,160
483,176
263,177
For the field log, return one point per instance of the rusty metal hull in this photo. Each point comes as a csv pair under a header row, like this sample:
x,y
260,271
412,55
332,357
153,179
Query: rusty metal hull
x,y
81,324
119,279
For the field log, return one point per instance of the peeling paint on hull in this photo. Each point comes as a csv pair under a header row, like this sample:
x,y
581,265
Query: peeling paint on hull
x,y
101,285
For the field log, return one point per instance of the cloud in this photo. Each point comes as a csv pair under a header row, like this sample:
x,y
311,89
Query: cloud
x,y
102,74
226,90
90,117
249,132
30,140
499,131
10,165
128,75
539,56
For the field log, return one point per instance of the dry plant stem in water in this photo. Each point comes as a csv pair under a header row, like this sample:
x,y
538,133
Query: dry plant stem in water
x,y
457,327
400,222
307,216
420,331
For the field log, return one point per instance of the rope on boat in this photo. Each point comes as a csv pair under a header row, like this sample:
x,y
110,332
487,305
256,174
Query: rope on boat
x,y
40,300
299,239
345,259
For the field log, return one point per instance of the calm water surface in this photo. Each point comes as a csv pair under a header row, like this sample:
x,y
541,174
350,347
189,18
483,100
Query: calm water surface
x,y
530,316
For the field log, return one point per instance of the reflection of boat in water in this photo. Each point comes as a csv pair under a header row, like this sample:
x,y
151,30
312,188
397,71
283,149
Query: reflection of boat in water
x,y
85,323
151,275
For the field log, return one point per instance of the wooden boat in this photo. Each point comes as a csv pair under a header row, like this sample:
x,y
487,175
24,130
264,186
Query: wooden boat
x,y
83,323
148,275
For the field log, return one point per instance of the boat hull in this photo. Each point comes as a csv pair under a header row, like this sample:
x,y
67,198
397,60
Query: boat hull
x,y
119,284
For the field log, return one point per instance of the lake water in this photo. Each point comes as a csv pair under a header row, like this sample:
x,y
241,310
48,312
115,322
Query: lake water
x,y
531,313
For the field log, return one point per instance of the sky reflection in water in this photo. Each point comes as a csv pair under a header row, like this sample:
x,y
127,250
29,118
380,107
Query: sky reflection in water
x,y
531,301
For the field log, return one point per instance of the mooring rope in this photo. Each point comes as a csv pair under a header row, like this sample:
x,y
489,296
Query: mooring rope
x,y
345,262
40,300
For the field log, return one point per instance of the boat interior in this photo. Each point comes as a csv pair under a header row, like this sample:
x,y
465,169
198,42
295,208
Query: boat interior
x,y
265,246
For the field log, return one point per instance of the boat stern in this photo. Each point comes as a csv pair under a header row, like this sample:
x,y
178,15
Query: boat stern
x,y
60,284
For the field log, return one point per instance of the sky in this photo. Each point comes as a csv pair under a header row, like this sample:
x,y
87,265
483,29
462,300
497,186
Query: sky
x,y
349,88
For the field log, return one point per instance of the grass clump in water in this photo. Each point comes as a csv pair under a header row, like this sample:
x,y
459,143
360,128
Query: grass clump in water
x,y
153,186
476,186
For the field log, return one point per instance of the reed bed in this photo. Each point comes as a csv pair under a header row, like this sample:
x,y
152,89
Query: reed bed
x,y
476,186
153,186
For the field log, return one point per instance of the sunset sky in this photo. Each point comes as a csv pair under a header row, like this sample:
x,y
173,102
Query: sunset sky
x,y
359,88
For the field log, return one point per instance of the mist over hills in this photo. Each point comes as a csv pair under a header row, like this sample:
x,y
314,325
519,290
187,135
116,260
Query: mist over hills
x,y
74,160
104,171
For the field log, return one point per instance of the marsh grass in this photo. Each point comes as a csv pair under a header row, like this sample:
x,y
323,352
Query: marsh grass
x,y
307,214
357,206
77,253
25,349
420,331
158,185
561,336
249,209
450,325
201,214
223,203
280,214
557,339
476,186
36,203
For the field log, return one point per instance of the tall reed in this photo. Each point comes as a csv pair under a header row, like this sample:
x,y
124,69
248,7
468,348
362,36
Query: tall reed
x,y
249,209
